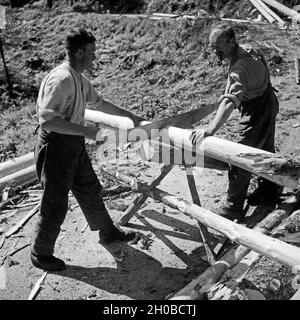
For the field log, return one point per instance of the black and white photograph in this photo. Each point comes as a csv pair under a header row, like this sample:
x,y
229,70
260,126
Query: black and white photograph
x,y
149,154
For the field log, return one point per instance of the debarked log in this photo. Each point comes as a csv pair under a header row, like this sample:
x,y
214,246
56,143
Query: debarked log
x,y
272,248
19,178
254,160
147,129
10,166
159,152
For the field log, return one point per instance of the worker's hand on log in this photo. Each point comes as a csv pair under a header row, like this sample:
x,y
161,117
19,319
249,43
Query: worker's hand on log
x,y
95,133
138,121
197,136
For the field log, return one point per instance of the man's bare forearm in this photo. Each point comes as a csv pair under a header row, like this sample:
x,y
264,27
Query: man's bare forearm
x,y
112,109
224,111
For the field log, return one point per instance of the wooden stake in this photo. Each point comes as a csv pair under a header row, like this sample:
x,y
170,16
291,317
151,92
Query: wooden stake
x,y
205,235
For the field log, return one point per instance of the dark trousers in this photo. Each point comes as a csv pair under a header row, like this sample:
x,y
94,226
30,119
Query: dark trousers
x,y
239,179
62,165
257,129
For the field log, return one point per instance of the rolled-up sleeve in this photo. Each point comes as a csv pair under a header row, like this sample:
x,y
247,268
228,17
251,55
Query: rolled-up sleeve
x,y
52,100
236,86
93,97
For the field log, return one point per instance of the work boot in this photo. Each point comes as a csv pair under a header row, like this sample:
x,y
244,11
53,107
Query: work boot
x,y
115,235
264,195
49,263
230,213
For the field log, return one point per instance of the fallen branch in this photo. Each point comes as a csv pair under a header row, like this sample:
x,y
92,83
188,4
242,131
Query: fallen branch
x,y
9,201
22,222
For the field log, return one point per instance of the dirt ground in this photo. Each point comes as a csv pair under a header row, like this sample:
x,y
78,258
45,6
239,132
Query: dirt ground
x,y
156,69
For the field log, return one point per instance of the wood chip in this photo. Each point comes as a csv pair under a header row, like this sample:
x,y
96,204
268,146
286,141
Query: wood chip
x,y
2,241
37,287
84,228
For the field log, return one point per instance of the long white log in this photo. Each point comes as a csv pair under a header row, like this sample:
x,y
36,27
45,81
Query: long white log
x,y
280,7
270,247
16,164
109,120
19,178
248,158
159,152
258,6
251,159
183,120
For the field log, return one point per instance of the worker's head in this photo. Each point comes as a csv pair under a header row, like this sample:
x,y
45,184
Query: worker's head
x,y
223,42
80,46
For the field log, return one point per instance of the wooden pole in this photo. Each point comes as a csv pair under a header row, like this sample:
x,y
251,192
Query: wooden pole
x,y
258,6
199,286
11,166
205,235
19,178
